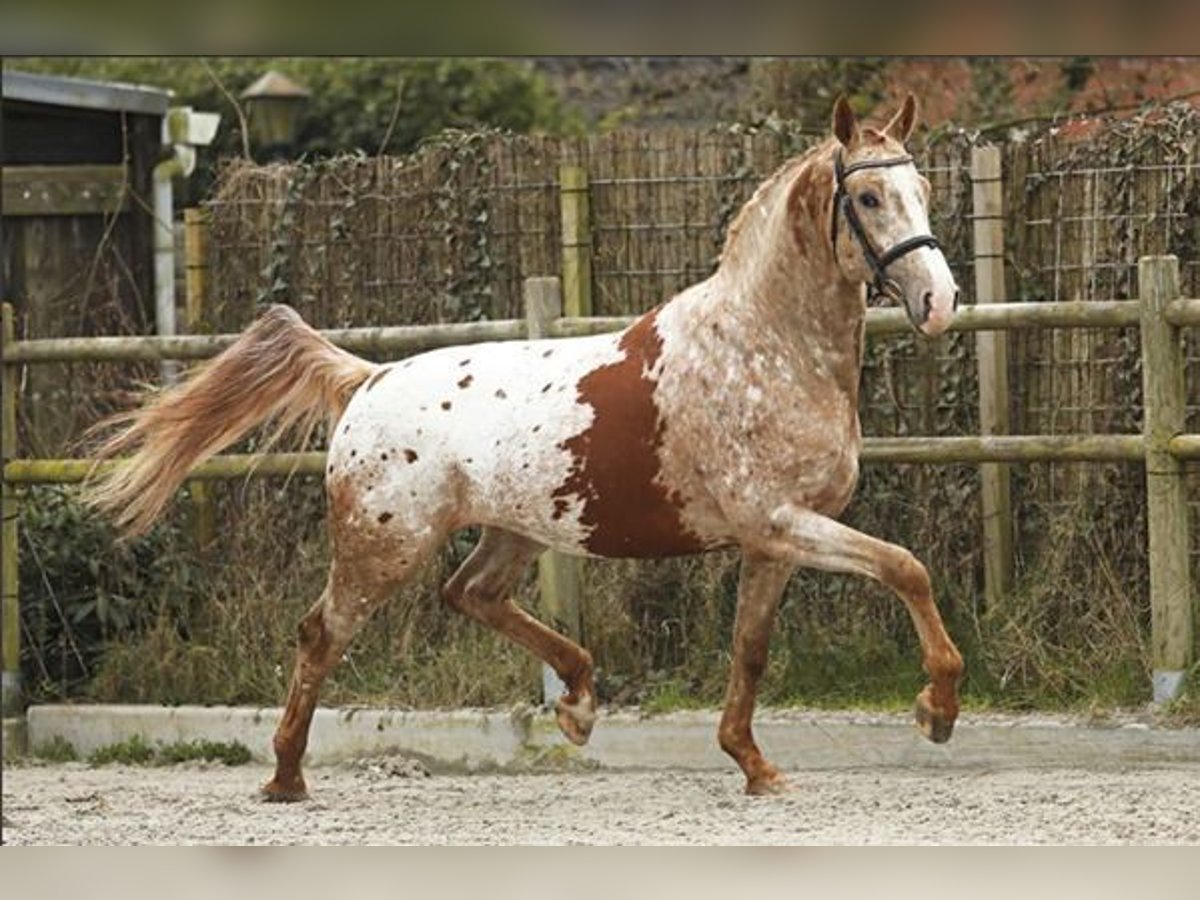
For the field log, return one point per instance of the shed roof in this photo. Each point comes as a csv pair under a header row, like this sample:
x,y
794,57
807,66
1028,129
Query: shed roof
x,y
61,90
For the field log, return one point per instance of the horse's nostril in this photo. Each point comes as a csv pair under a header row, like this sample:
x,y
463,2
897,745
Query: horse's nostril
x,y
956,296
926,306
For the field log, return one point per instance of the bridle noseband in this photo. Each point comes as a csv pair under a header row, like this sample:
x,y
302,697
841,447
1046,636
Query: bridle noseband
x,y
882,285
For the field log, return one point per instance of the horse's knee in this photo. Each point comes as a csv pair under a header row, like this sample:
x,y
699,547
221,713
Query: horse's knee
x,y
907,574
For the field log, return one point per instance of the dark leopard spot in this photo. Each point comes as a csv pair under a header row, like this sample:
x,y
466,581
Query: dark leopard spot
x,y
410,455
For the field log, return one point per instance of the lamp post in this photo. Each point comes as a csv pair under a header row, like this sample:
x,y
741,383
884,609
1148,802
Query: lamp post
x,y
273,105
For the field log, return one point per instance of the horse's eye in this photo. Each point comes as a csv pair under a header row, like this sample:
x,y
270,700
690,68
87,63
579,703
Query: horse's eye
x,y
868,200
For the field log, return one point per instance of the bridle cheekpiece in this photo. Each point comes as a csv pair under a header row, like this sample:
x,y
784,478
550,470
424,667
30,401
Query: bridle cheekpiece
x,y
882,285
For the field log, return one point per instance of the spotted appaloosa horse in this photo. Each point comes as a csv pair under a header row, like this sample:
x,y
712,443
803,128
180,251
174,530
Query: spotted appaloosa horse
x,y
725,418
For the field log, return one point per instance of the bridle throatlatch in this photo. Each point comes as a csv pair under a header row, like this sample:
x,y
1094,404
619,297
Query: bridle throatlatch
x,y
881,285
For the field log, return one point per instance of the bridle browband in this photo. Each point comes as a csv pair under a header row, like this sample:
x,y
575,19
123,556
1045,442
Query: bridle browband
x,y
882,285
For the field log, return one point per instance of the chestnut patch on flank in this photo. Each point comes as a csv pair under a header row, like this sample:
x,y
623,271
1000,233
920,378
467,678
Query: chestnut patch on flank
x,y
445,404
466,382
378,375
410,455
615,461
384,518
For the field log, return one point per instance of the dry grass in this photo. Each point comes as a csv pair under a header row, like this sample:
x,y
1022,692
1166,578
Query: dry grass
x,y
1071,635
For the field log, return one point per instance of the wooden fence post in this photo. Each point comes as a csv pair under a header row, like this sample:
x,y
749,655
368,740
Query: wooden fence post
x,y
1172,610
559,576
991,350
11,695
195,268
576,241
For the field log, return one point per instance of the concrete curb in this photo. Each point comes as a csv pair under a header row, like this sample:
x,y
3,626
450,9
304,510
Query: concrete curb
x,y
489,739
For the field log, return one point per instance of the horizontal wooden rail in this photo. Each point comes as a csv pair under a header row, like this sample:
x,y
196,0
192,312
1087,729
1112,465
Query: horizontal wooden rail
x,y
929,450
1005,448
412,338
227,465
406,338
1183,312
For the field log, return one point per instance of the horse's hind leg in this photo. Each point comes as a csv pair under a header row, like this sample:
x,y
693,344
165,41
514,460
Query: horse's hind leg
x,y
760,586
359,582
482,589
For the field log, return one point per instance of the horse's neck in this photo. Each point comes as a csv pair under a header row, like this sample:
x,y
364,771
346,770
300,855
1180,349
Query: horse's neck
x,y
814,330
782,296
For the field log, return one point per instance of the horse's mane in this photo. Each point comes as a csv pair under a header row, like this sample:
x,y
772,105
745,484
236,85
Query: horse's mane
x,y
758,211
766,193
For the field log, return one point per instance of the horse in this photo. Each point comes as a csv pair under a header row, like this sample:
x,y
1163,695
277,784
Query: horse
x,y
725,418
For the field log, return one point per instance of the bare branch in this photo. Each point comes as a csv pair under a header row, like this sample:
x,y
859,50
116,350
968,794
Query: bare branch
x,y
237,107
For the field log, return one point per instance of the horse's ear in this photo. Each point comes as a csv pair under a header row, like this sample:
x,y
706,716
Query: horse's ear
x,y
845,125
903,121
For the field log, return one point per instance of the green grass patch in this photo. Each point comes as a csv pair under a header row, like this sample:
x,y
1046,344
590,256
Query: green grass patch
x,y
58,749
232,753
670,696
137,751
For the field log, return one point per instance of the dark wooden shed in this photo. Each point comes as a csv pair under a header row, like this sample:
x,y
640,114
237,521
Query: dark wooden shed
x,y
77,218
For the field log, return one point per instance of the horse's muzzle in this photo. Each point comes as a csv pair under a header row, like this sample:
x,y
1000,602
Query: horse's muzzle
x,y
923,314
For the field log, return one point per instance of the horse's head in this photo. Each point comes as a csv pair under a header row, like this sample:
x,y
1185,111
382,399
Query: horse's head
x,y
880,221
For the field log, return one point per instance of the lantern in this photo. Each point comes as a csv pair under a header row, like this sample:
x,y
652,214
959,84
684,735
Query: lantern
x,y
273,105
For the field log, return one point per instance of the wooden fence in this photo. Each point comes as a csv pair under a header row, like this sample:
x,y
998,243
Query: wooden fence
x,y
1160,313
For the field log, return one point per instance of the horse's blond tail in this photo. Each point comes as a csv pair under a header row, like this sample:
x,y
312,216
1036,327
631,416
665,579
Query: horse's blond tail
x,y
279,369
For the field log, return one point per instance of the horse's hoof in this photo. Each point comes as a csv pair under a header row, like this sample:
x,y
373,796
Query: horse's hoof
x,y
937,725
274,792
575,720
768,784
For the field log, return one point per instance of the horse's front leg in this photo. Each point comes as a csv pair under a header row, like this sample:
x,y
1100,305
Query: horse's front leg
x,y
810,539
760,587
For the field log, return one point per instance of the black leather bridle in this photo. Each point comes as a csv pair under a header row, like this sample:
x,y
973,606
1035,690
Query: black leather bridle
x,y
879,262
